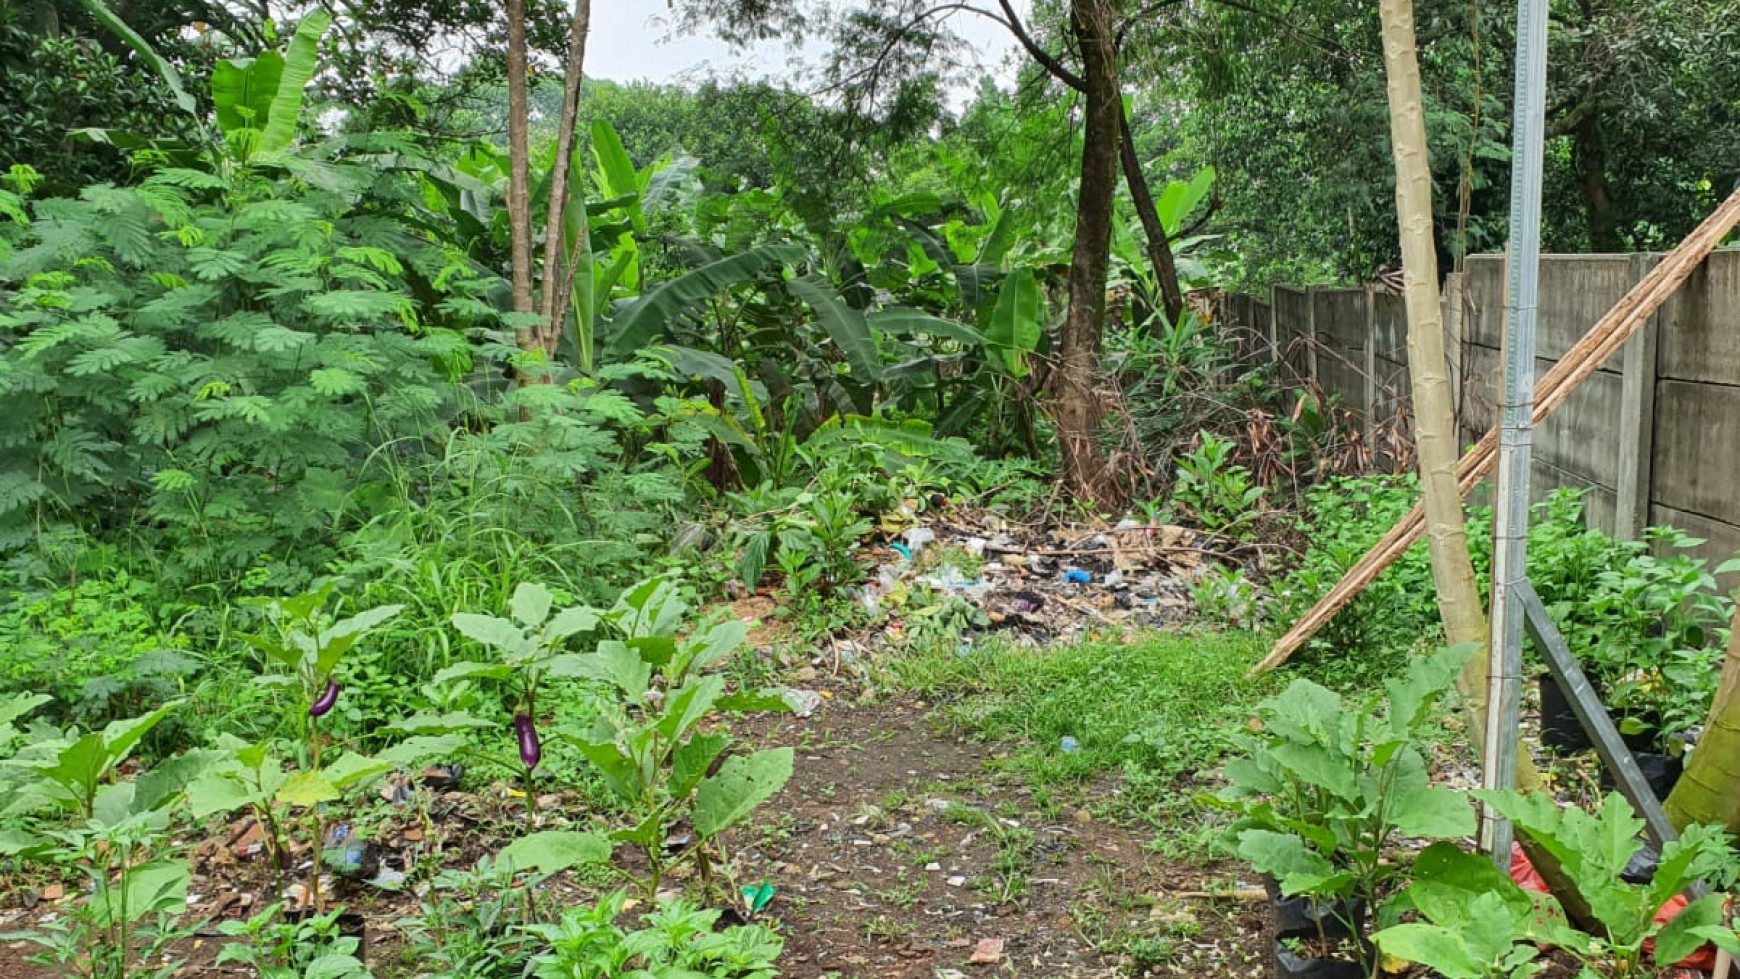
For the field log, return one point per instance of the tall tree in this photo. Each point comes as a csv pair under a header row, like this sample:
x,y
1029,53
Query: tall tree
x,y
519,192
540,325
1076,377
1159,246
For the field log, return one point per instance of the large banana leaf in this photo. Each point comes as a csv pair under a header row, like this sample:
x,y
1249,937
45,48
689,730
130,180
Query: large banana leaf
x,y
242,89
616,173
299,64
1002,236
906,321
846,326
133,39
646,318
1179,198
1015,322
909,438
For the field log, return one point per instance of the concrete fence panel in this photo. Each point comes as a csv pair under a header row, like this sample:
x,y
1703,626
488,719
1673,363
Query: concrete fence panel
x,y
1653,437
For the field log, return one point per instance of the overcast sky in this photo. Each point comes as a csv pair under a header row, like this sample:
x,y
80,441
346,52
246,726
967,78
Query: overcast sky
x,y
631,40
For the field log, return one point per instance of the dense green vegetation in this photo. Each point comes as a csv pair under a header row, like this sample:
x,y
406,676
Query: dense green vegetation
x,y
344,435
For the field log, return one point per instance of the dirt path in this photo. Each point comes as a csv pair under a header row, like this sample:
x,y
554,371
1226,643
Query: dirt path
x,y
897,852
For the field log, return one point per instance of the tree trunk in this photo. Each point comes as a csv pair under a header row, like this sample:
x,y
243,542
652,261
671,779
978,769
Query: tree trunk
x,y
1159,245
1075,379
1597,206
556,271
1709,792
519,196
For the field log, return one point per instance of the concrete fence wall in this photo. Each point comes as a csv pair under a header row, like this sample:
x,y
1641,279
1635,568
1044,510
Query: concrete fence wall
x,y
1653,436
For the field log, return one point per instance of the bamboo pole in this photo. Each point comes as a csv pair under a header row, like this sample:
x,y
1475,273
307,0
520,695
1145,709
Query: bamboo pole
x,y
1551,391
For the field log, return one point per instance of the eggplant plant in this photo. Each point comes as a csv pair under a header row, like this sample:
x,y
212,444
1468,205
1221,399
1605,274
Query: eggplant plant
x,y
531,644
73,771
253,777
654,741
309,648
137,885
1326,789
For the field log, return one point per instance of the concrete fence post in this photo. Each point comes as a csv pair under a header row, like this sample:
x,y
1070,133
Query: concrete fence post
x,y
1370,366
1453,306
1274,335
1637,419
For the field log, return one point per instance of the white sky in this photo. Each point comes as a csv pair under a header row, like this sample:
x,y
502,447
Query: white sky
x,y
631,40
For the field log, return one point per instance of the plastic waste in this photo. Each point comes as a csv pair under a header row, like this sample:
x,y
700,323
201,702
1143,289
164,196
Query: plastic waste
x,y
344,849
1076,576
1068,744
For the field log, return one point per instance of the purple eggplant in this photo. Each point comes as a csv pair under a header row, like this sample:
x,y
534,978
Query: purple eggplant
x,y
324,702
530,751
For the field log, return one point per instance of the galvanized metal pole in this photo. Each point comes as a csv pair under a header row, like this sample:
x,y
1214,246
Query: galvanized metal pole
x,y
1511,516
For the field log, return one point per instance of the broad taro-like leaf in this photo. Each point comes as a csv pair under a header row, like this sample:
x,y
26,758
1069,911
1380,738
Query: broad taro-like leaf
x,y
530,604
742,783
552,851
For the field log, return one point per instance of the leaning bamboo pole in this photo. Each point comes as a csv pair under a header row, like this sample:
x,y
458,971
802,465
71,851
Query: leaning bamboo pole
x,y
1551,391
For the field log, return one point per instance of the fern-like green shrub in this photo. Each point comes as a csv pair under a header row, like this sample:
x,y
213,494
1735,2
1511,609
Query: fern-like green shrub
x,y
212,355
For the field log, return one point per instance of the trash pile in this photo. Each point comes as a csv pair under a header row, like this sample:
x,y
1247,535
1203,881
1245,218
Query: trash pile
x,y
1036,585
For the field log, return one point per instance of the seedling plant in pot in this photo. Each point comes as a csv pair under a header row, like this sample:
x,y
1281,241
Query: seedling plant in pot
x,y
1593,851
1471,921
1325,792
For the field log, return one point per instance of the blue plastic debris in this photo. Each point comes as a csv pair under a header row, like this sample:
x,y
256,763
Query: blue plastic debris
x,y
1076,576
901,548
1068,744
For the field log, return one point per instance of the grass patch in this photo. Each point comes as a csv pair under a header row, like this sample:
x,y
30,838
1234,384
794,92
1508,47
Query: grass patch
x,y
1159,708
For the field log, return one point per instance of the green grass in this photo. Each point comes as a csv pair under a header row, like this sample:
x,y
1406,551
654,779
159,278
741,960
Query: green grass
x,y
1161,709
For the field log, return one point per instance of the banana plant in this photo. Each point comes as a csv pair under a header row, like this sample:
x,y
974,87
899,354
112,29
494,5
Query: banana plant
x,y
259,99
